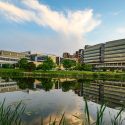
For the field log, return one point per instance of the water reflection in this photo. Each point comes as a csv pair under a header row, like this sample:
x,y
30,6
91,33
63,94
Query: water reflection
x,y
47,96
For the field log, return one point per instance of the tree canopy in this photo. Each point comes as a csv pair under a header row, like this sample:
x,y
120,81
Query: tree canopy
x,y
23,63
30,66
68,63
86,67
48,64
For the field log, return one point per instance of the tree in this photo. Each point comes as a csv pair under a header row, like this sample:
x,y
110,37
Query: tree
x,y
68,63
86,67
7,66
46,83
48,64
23,63
30,66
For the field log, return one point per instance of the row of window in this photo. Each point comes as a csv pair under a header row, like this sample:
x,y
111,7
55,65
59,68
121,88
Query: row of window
x,y
116,47
8,59
91,48
114,52
91,52
92,58
115,43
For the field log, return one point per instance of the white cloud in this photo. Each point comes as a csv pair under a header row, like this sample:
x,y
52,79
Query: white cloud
x,y
121,30
76,23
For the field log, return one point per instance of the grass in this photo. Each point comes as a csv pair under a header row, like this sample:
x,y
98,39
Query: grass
x,y
11,115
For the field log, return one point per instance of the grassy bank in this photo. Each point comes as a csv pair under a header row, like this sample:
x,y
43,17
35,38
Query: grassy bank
x,y
63,74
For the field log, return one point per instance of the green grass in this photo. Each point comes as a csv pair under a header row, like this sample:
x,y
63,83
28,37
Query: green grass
x,y
11,115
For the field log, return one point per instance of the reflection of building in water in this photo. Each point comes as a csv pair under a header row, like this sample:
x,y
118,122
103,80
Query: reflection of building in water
x,y
110,92
8,87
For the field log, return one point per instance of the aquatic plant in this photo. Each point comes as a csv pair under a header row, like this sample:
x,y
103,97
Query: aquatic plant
x,y
11,115
116,120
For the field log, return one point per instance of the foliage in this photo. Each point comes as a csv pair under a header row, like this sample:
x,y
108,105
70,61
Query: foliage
x,y
48,64
11,115
7,66
68,63
46,83
23,63
85,67
25,83
30,66
117,120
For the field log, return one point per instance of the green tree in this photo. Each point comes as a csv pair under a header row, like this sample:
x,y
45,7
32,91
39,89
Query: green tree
x,y
88,67
7,66
46,83
85,67
30,66
67,63
48,64
22,63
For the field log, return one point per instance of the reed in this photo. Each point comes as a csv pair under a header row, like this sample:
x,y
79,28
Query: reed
x,y
11,115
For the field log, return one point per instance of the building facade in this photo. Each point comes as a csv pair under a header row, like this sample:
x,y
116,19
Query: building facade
x,y
94,54
114,55
9,57
40,58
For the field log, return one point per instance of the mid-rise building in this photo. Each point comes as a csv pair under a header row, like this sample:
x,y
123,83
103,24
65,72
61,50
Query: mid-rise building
x,y
114,54
81,56
94,54
40,58
66,55
9,57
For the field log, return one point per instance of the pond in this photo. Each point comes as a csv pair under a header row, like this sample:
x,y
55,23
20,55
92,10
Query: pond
x,y
47,97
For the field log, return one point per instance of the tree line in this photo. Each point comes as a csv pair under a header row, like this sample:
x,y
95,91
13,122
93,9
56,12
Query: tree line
x,y
48,64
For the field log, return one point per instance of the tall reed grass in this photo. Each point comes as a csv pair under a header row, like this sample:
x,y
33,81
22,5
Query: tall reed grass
x,y
11,115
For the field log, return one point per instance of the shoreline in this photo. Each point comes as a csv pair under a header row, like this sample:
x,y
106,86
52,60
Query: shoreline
x,y
63,74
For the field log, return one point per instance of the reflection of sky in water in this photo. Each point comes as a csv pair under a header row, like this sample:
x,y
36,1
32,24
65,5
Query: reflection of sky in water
x,y
41,103
109,113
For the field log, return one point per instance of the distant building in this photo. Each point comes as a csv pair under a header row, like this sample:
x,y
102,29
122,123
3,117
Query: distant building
x,y
40,58
81,56
66,55
10,57
59,60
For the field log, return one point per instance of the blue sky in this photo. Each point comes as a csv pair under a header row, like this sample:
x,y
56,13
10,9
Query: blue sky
x,y
56,26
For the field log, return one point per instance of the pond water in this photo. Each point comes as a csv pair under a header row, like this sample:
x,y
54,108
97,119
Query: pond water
x,y
47,97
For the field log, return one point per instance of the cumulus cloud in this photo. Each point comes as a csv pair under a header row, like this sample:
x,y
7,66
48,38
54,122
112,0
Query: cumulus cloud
x,y
76,23
71,26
